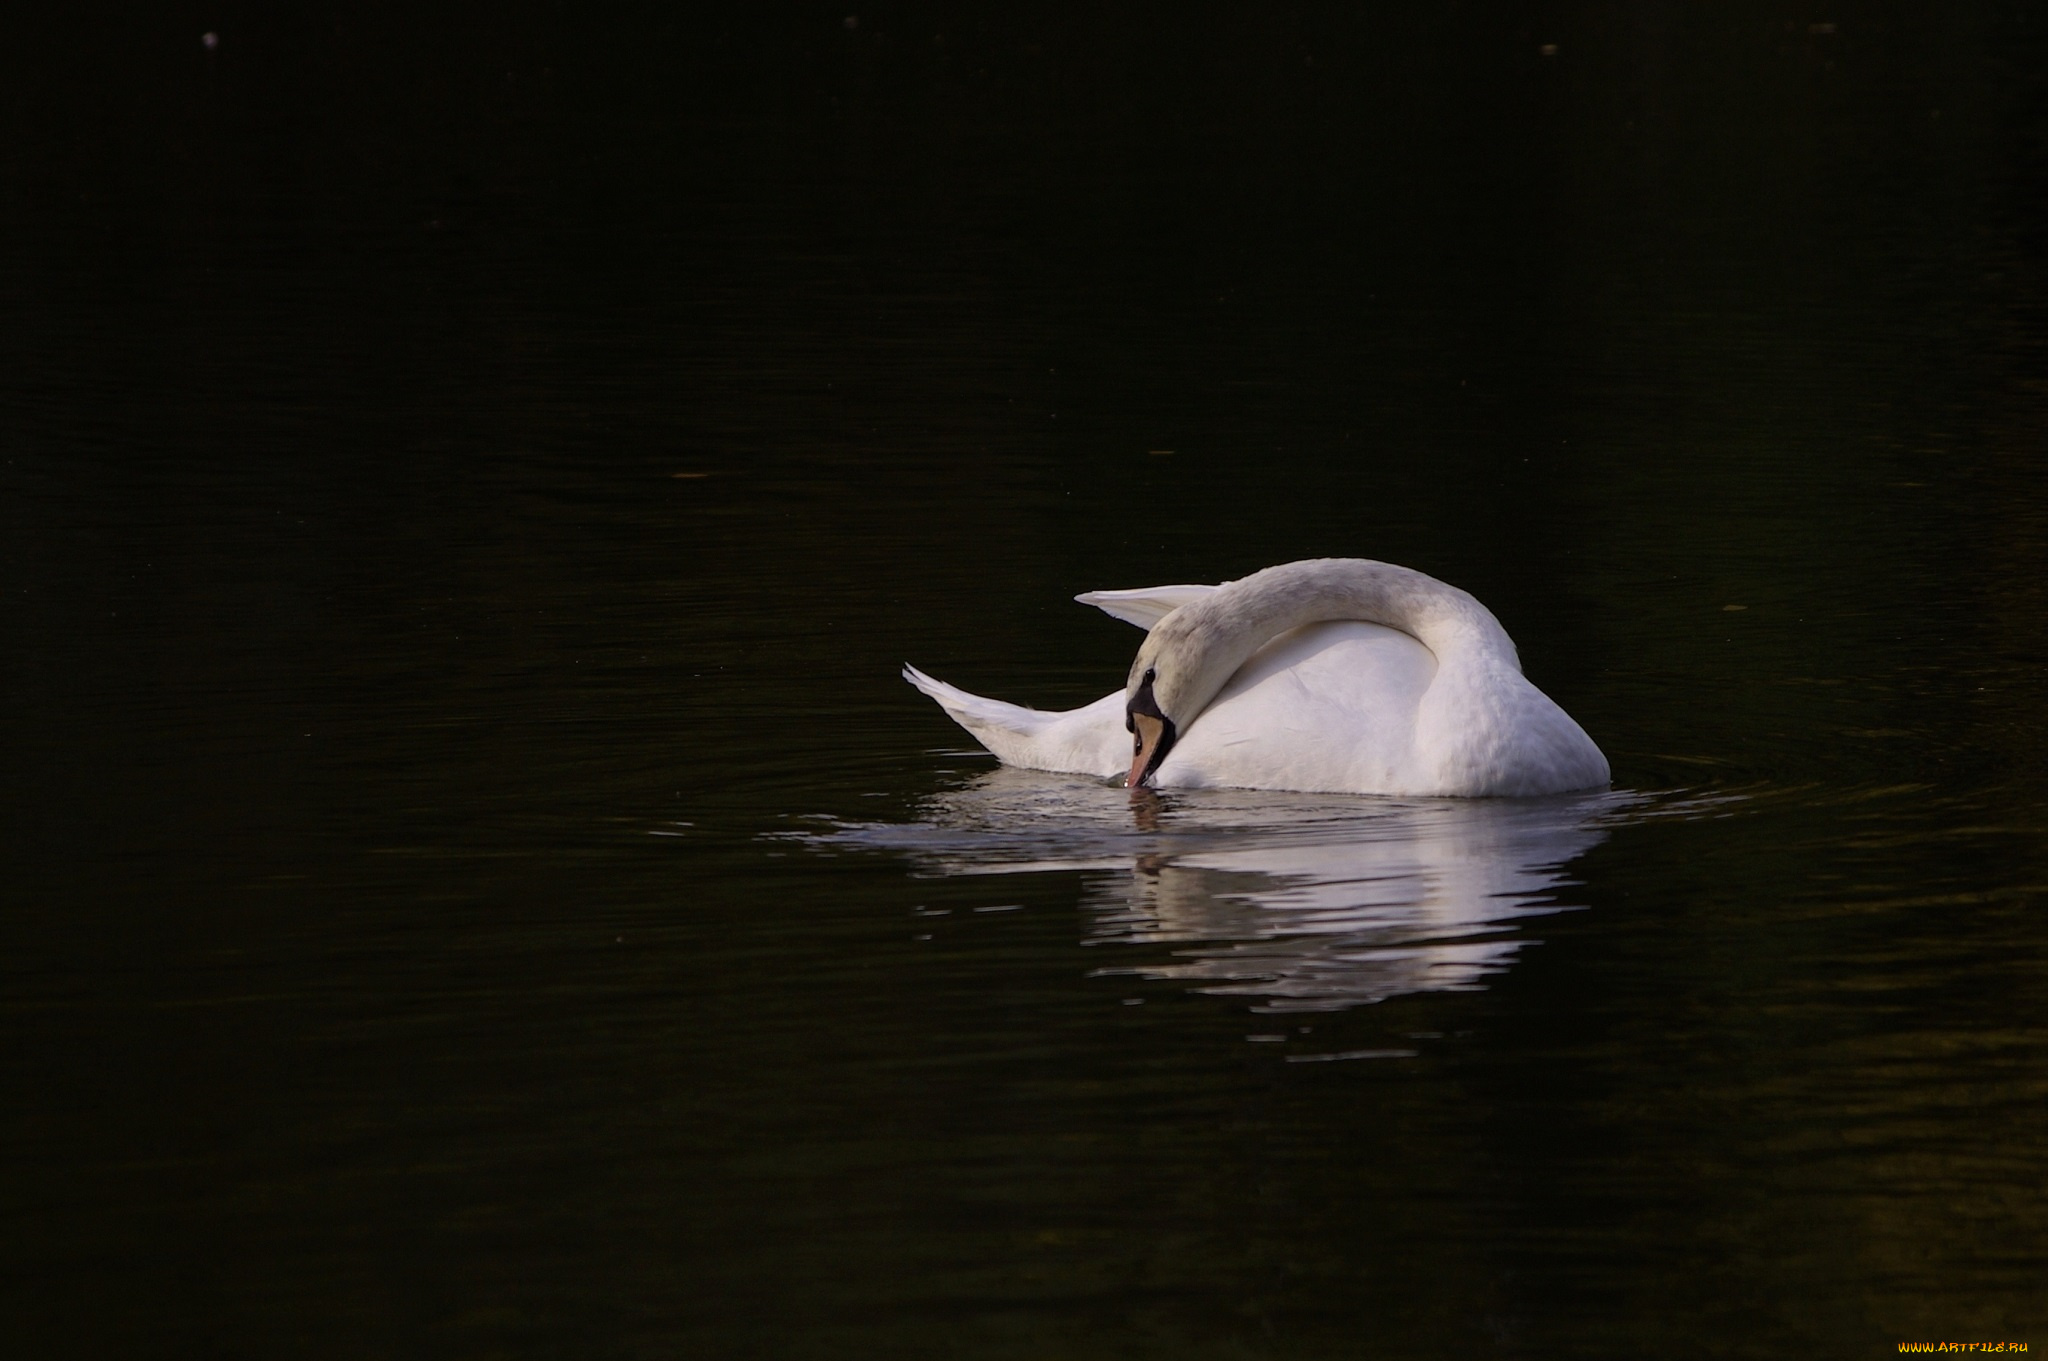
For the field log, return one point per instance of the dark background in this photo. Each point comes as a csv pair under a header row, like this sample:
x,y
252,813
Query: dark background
x,y
439,447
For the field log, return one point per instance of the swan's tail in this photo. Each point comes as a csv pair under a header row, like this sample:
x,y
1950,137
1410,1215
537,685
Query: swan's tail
x,y
1085,741
987,719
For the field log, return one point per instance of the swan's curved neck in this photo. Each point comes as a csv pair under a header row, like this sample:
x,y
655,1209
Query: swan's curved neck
x,y
1195,650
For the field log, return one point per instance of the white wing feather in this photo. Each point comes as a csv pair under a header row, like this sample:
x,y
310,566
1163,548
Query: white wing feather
x,y
1147,605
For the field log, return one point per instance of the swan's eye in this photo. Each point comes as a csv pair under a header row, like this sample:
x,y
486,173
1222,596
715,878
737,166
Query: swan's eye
x,y
1137,744
1151,674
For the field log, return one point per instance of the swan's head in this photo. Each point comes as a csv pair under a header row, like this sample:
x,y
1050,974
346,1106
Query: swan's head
x,y
1178,671
1152,732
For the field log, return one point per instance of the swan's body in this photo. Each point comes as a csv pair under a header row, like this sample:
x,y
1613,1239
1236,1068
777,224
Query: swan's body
x,y
1336,675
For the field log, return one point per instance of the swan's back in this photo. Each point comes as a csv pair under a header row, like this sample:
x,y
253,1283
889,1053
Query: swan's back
x,y
1353,707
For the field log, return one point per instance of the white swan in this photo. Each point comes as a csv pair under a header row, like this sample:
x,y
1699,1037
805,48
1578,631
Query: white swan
x,y
1335,675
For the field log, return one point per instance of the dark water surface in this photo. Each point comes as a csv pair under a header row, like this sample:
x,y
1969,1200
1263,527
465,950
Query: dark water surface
x,y
476,886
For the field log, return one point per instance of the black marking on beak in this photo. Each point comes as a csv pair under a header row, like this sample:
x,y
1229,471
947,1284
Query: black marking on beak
x,y
1143,703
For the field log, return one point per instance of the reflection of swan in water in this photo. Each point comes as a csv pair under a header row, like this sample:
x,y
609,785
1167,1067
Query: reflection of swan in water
x,y
1307,902
1417,898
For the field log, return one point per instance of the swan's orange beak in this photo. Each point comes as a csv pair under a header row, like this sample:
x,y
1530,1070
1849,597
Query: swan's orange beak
x,y
1152,739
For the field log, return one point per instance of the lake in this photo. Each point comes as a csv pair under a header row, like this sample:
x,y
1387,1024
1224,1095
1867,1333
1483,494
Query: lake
x,y
478,885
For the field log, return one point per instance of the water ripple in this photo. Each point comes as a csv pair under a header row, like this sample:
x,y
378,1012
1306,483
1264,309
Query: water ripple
x,y
1300,902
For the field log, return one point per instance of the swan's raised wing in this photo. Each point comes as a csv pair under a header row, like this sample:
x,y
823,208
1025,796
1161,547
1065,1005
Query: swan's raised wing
x,y
1147,605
